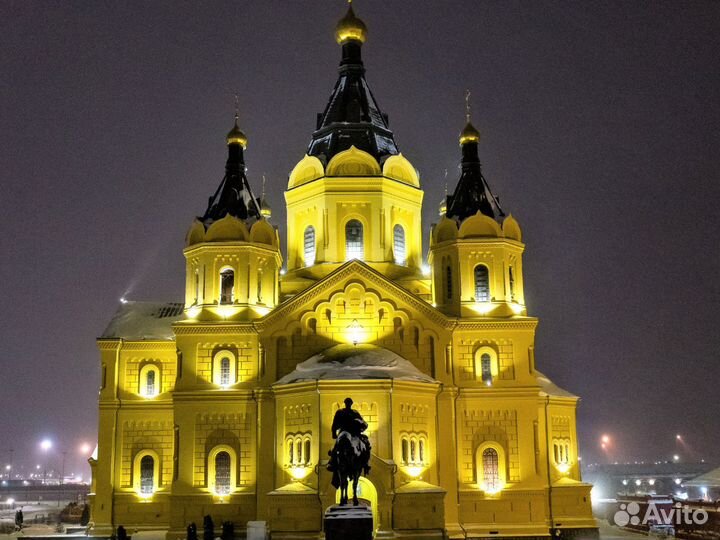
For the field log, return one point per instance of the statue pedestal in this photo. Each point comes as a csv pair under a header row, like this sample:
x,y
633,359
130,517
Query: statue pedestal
x,y
348,523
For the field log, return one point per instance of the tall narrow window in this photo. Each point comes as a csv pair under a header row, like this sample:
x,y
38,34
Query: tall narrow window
x,y
147,475
306,452
354,248
491,469
421,451
405,451
225,371
309,245
413,458
197,287
512,284
222,473
291,451
150,383
399,244
259,287
486,368
448,282
482,285
227,286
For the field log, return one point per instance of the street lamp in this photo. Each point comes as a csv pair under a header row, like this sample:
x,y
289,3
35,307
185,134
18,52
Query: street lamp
x,y
45,446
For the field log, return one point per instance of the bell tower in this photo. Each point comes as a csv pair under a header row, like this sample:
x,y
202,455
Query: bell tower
x,y
232,252
353,195
475,249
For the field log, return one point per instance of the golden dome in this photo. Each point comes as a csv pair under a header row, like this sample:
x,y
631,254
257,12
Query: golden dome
x,y
236,135
469,134
350,28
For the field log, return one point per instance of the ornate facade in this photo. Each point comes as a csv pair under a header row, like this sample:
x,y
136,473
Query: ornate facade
x,y
222,404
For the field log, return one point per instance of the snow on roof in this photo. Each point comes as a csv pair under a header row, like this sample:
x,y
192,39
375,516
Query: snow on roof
x,y
550,388
363,361
144,320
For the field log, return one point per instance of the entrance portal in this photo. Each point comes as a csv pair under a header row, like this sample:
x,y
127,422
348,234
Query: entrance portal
x,y
367,495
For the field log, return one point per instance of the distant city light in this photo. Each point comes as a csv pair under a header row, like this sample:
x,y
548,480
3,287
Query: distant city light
x,y
676,458
605,439
123,300
8,467
85,448
46,444
678,437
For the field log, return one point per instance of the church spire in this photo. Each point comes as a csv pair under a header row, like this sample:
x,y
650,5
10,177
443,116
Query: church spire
x,y
233,195
472,193
352,117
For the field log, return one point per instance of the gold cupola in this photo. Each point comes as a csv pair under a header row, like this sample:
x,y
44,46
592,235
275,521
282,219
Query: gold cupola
x,y
350,28
236,135
469,133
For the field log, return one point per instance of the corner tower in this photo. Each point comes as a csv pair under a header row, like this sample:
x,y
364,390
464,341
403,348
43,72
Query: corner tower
x,y
232,252
353,195
475,249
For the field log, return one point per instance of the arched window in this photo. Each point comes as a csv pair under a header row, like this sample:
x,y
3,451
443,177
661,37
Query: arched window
x,y
482,284
399,245
150,383
309,246
259,286
354,248
222,473
306,452
291,451
490,462
486,365
146,471
448,282
147,475
486,368
421,451
227,286
413,456
222,470
491,469
405,452
149,380
224,369
197,287
512,284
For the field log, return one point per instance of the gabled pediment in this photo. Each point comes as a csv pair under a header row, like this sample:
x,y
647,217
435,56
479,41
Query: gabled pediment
x,y
354,305
361,276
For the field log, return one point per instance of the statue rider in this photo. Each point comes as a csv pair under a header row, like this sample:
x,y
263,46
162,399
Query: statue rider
x,y
350,421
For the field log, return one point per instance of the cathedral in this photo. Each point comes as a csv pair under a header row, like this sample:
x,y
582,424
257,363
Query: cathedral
x,y
222,405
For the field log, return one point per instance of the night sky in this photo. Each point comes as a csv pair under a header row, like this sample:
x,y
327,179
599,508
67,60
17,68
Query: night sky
x,y
601,130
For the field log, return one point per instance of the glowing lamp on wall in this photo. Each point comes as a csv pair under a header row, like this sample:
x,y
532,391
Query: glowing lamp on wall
x,y
414,471
299,473
491,490
482,308
355,332
517,308
563,468
193,312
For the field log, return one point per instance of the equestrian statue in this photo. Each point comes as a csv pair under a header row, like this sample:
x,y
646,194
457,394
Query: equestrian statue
x,y
350,457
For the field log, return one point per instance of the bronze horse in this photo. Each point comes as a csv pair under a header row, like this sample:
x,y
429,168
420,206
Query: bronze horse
x,y
350,457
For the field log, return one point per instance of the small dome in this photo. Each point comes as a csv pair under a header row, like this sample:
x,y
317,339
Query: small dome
x,y
469,134
265,209
236,135
350,28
